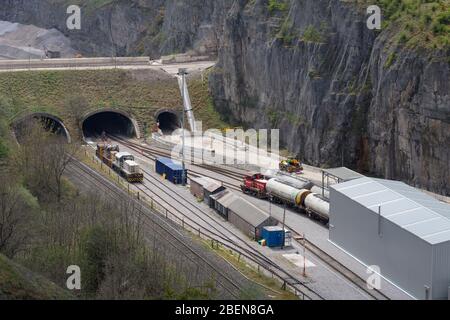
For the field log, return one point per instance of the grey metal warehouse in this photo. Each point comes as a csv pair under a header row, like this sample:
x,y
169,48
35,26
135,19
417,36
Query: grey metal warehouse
x,y
403,231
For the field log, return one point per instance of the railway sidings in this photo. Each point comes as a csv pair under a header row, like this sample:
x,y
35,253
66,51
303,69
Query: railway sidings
x,y
233,178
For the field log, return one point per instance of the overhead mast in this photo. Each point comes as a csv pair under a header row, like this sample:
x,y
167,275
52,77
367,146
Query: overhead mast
x,y
182,73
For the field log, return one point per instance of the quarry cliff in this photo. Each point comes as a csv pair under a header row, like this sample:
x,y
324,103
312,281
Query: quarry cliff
x,y
374,100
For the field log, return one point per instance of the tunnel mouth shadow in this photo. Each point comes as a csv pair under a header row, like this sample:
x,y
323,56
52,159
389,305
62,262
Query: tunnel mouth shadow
x,y
168,122
109,122
52,124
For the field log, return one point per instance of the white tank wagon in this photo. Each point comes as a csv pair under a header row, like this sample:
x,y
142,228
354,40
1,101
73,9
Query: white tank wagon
x,y
317,207
297,183
285,193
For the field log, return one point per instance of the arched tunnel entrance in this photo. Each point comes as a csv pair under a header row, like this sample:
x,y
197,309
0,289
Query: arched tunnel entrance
x,y
24,126
168,121
110,122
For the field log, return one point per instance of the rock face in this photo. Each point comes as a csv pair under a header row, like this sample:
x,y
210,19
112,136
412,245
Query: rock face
x,y
19,41
105,31
151,27
342,94
339,92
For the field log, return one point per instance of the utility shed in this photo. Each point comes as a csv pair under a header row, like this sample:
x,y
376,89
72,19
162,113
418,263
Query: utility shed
x,y
211,189
403,231
204,187
221,202
248,218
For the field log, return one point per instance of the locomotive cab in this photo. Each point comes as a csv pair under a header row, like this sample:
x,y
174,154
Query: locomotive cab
x,y
121,157
128,168
255,184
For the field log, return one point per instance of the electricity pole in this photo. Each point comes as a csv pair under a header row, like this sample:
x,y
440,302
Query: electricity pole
x,y
182,72
270,207
304,255
284,226
29,57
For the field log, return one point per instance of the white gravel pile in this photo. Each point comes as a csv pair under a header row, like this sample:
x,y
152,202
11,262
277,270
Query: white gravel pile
x,y
19,41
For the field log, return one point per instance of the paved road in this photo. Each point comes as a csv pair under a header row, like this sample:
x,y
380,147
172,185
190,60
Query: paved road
x,y
100,64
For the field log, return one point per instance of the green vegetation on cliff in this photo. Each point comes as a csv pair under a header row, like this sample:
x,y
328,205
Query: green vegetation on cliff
x,y
50,90
277,5
417,23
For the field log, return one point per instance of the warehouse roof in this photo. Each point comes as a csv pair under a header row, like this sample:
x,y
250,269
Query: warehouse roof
x,y
208,184
247,211
224,198
212,187
403,205
343,174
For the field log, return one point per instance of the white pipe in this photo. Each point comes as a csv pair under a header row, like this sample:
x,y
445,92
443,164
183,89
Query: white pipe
x,y
187,103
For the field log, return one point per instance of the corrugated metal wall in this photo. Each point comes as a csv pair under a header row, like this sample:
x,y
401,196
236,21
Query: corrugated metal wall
x,y
441,271
241,224
404,259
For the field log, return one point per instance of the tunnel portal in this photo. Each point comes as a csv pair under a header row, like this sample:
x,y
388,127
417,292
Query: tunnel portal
x,y
23,126
168,122
110,122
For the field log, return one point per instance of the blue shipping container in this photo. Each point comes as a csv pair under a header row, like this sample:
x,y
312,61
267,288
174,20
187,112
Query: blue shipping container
x,y
172,169
274,236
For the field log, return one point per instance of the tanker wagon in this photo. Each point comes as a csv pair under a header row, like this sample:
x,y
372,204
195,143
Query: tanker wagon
x,y
282,193
317,207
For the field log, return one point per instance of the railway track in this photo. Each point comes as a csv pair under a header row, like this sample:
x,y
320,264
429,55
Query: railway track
x,y
152,153
206,228
220,233
315,250
163,228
